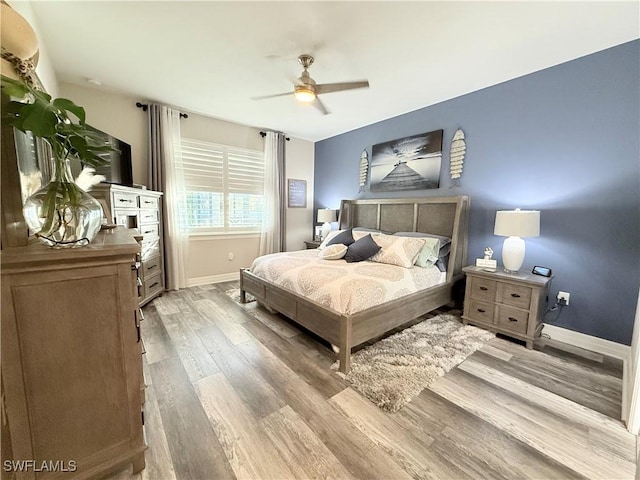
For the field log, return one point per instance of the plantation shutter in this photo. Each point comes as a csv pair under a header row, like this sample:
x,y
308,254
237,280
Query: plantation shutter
x,y
224,186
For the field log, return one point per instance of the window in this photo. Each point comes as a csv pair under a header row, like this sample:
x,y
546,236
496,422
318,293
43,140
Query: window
x,y
224,187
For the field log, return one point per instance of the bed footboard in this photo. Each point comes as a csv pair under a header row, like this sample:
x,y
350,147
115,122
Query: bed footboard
x,y
345,331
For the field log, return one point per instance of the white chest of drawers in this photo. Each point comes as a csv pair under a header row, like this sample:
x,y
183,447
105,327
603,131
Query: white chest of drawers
x,y
142,210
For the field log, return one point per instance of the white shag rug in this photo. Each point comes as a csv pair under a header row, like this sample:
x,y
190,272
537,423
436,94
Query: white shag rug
x,y
394,370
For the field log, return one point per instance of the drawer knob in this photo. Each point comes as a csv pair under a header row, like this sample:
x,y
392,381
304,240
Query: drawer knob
x,y
515,295
484,288
481,310
511,319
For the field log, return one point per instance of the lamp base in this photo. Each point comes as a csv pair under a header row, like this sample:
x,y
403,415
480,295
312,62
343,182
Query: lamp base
x,y
513,254
326,228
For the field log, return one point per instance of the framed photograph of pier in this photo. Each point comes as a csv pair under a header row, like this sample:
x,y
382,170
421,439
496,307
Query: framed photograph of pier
x,y
409,163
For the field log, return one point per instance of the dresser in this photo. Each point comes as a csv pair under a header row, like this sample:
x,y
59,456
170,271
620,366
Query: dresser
x,y
71,359
509,303
142,210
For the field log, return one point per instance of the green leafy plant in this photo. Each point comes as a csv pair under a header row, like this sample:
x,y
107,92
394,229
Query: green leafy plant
x,y
61,124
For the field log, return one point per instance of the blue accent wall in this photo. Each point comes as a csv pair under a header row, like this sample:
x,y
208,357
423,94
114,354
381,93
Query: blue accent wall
x,y
565,141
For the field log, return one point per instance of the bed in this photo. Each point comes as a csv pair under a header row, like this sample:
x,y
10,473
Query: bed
x,y
445,216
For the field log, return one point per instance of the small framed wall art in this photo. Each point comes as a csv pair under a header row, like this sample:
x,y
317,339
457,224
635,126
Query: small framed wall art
x,y
297,193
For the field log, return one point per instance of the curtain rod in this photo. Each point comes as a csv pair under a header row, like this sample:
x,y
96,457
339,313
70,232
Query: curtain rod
x,y
264,134
145,107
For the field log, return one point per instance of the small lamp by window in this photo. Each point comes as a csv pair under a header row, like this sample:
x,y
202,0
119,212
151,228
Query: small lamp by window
x,y
516,224
326,216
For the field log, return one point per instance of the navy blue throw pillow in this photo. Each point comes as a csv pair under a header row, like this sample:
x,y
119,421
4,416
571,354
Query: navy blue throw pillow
x,y
344,238
361,249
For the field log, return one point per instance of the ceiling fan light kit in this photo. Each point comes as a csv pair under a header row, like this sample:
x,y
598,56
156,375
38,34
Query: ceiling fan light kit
x,y
306,90
304,94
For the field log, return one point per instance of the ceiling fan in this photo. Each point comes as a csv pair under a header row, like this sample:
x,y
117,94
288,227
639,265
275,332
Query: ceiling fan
x,y
306,90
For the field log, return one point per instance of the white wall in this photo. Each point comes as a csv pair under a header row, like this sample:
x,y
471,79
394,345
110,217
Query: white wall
x,y
208,258
117,115
299,165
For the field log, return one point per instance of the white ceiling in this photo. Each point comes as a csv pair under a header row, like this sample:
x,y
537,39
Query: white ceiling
x,y
211,57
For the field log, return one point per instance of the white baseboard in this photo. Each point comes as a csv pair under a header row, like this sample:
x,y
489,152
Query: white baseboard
x,y
224,277
593,344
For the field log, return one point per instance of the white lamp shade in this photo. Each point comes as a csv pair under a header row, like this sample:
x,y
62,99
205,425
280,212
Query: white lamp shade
x,y
517,223
326,215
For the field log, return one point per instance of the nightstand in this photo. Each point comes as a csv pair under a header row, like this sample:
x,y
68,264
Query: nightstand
x,y
507,303
311,244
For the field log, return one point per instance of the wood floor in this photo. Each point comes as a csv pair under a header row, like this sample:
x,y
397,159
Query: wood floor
x,y
236,392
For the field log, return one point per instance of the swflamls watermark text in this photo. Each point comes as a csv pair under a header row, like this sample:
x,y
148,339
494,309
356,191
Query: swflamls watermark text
x,y
39,465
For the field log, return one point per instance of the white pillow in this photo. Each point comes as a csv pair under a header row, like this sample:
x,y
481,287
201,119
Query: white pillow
x,y
401,251
333,252
358,234
329,236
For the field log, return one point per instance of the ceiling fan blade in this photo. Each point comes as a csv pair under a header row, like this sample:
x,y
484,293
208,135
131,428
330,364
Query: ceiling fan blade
x,y
272,96
320,106
338,87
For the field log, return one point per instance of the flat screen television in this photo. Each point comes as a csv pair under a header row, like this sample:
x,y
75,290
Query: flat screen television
x,y
119,169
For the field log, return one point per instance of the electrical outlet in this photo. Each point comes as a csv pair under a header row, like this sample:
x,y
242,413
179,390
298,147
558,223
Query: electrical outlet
x,y
564,296
230,256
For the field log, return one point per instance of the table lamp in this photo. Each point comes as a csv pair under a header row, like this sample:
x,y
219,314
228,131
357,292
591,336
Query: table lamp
x,y
326,216
516,224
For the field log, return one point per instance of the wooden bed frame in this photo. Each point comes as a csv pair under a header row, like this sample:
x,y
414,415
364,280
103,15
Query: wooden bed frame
x,y
446,216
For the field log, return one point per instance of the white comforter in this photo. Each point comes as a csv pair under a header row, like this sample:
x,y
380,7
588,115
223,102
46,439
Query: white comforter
x,y
344,287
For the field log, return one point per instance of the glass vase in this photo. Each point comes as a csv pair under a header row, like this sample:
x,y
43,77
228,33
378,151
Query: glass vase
x,y
61,214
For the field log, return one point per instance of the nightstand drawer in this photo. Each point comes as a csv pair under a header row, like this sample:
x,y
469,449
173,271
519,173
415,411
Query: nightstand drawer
x,y
514,295
513,319
483,289
481,311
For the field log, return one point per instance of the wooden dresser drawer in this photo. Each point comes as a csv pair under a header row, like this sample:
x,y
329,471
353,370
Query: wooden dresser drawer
x,y
513,319
483,289
514,295
152,284
148,201
125,199
149,231
149,216
151,267
481,311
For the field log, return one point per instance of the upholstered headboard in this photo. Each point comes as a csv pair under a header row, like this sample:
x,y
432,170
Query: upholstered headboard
x,y
446,216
